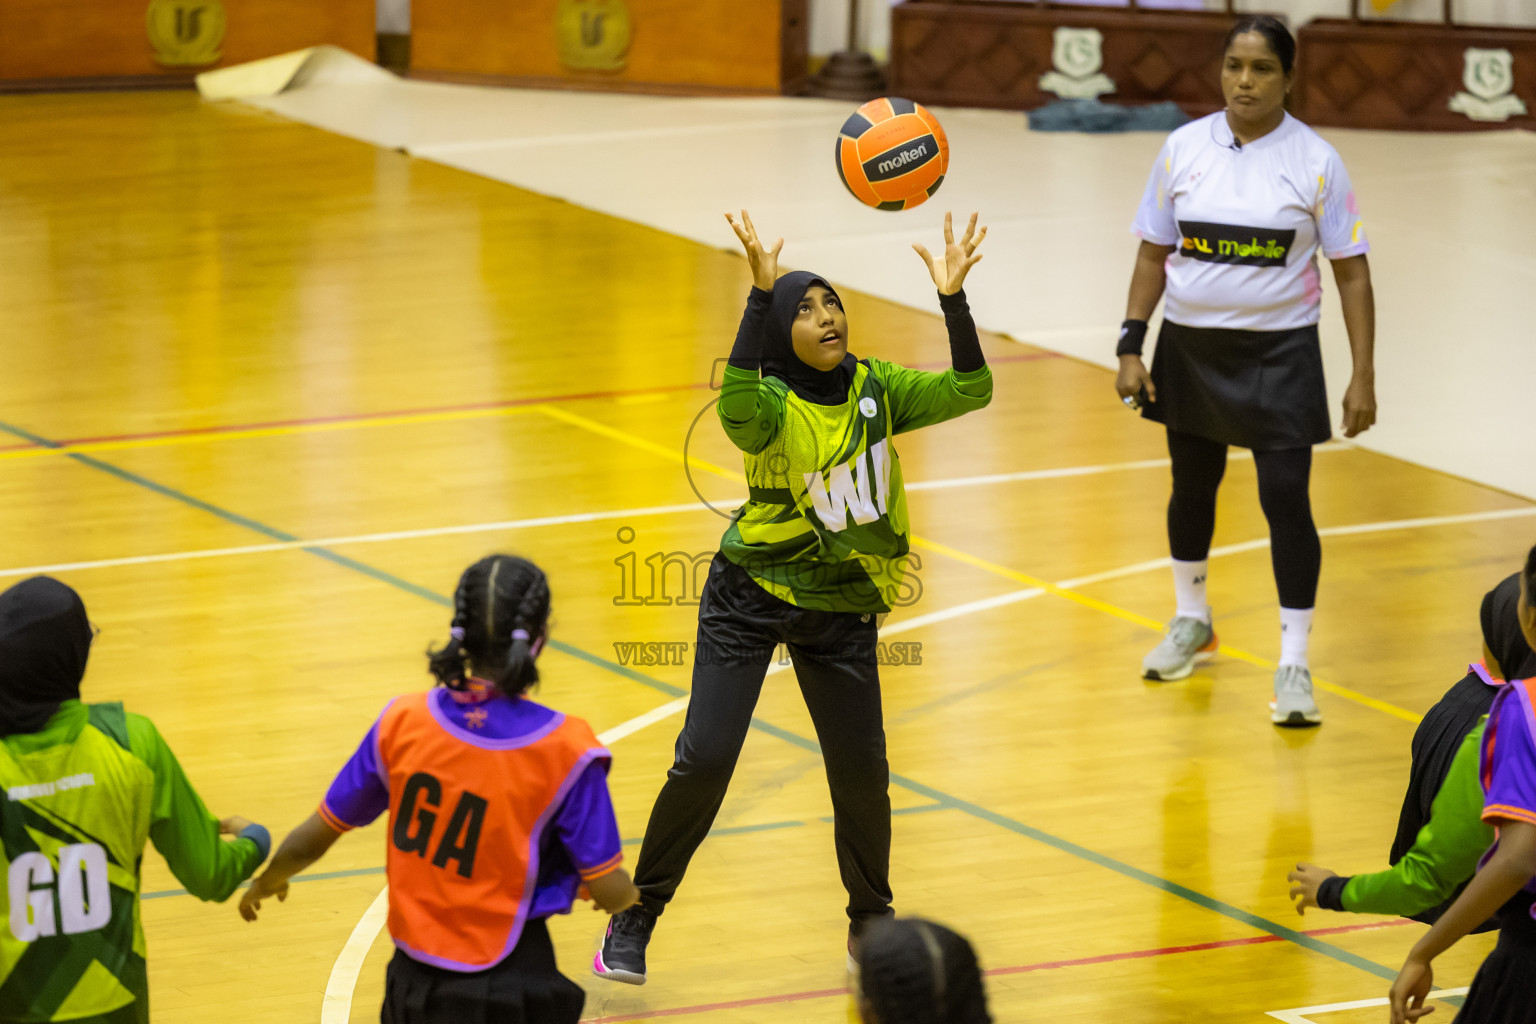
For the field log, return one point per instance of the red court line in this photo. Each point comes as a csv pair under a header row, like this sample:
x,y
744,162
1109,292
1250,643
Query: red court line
x,y
1140,954
577,396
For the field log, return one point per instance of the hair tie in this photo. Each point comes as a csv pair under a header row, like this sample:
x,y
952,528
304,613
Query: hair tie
x,y
520,634
457,632
936,960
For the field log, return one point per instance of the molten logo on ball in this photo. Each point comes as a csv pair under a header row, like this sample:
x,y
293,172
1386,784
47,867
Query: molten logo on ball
x,y
892,154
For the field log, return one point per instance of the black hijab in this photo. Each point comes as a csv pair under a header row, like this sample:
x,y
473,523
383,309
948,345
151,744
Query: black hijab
x,y
1501,630
823,387
45,639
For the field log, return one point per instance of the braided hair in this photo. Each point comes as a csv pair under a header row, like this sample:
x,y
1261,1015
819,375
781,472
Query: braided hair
x,y
914,971
500,613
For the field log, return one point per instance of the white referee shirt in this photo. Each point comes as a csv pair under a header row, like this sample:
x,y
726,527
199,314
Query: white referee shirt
x,y
1247,221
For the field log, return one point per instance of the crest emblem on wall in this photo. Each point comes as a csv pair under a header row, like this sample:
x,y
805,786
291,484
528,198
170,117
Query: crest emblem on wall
x,y
1489,77
186,33
593,34
1078,56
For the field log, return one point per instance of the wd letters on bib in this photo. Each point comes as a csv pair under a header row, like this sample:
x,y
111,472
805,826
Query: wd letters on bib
x,y
825,525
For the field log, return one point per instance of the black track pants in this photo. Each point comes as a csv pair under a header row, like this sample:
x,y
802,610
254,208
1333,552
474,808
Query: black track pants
x,y
740,623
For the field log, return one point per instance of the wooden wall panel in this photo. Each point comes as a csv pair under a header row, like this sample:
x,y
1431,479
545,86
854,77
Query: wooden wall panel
x,y
1402,75
992,54
63,41
675,45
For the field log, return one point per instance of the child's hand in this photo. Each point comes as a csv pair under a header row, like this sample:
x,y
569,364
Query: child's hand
x,y
764,262
949,272
260,889
1308,878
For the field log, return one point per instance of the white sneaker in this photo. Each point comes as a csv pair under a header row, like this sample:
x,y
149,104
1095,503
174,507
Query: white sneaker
x,y
1293,705
1186,642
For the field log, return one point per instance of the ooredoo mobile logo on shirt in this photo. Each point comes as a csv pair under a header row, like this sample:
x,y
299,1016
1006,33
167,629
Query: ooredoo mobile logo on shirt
x,y
1231,243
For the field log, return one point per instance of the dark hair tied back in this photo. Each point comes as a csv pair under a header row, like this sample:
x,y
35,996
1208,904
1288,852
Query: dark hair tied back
x,y
500,613
1274,32
914,971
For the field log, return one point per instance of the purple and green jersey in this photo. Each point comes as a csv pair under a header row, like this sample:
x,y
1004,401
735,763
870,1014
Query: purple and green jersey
x,y
1508,769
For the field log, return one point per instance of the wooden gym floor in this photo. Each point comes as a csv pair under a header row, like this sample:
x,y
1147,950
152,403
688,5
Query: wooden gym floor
x,y
268,390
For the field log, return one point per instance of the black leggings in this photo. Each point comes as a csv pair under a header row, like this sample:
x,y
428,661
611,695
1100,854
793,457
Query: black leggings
x,y
1296,553
834,656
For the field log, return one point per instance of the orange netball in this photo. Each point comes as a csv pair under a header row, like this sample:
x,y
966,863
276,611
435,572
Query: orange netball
x,y
892,154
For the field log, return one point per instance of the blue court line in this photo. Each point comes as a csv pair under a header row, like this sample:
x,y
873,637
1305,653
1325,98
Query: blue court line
x,y
940,797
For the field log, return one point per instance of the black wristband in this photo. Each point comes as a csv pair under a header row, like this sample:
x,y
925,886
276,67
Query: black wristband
x,y
1330,894
1132,334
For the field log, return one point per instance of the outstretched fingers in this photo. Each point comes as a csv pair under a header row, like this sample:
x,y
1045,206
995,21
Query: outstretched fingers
x,y
970,229
742,232
975,242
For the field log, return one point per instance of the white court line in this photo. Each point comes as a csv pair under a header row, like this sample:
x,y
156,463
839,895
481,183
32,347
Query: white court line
x,y
336,1007
361,538
1304,1014
577,517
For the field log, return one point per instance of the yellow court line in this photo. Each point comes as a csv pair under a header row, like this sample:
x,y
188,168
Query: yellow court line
x,y
1152,624
283,431
624,437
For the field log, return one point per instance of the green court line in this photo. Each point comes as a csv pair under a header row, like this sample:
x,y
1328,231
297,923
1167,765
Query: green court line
x,y
724,830
940,797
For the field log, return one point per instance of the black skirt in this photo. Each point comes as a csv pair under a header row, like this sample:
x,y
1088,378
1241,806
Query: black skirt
x,y
1504,990
1261,390
525,988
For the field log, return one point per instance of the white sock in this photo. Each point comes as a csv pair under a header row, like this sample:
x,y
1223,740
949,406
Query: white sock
x,y
1295,628
1189,590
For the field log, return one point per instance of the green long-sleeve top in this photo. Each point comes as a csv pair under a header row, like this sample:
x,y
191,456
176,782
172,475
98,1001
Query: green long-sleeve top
x,y
82,796
1443,857
825,524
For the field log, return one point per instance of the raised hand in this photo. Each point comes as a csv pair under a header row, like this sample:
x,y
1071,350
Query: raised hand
x,y
959,257
764,261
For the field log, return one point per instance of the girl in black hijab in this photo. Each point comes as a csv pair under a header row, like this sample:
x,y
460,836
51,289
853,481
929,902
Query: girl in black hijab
x,y
813,560
99,782
45,639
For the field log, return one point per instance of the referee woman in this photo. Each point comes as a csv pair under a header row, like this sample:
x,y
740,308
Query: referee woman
x,y
1235,212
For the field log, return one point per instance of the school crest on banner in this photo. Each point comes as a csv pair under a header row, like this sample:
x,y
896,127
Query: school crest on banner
x,y
1078,57
186,33
593,34
1489,77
